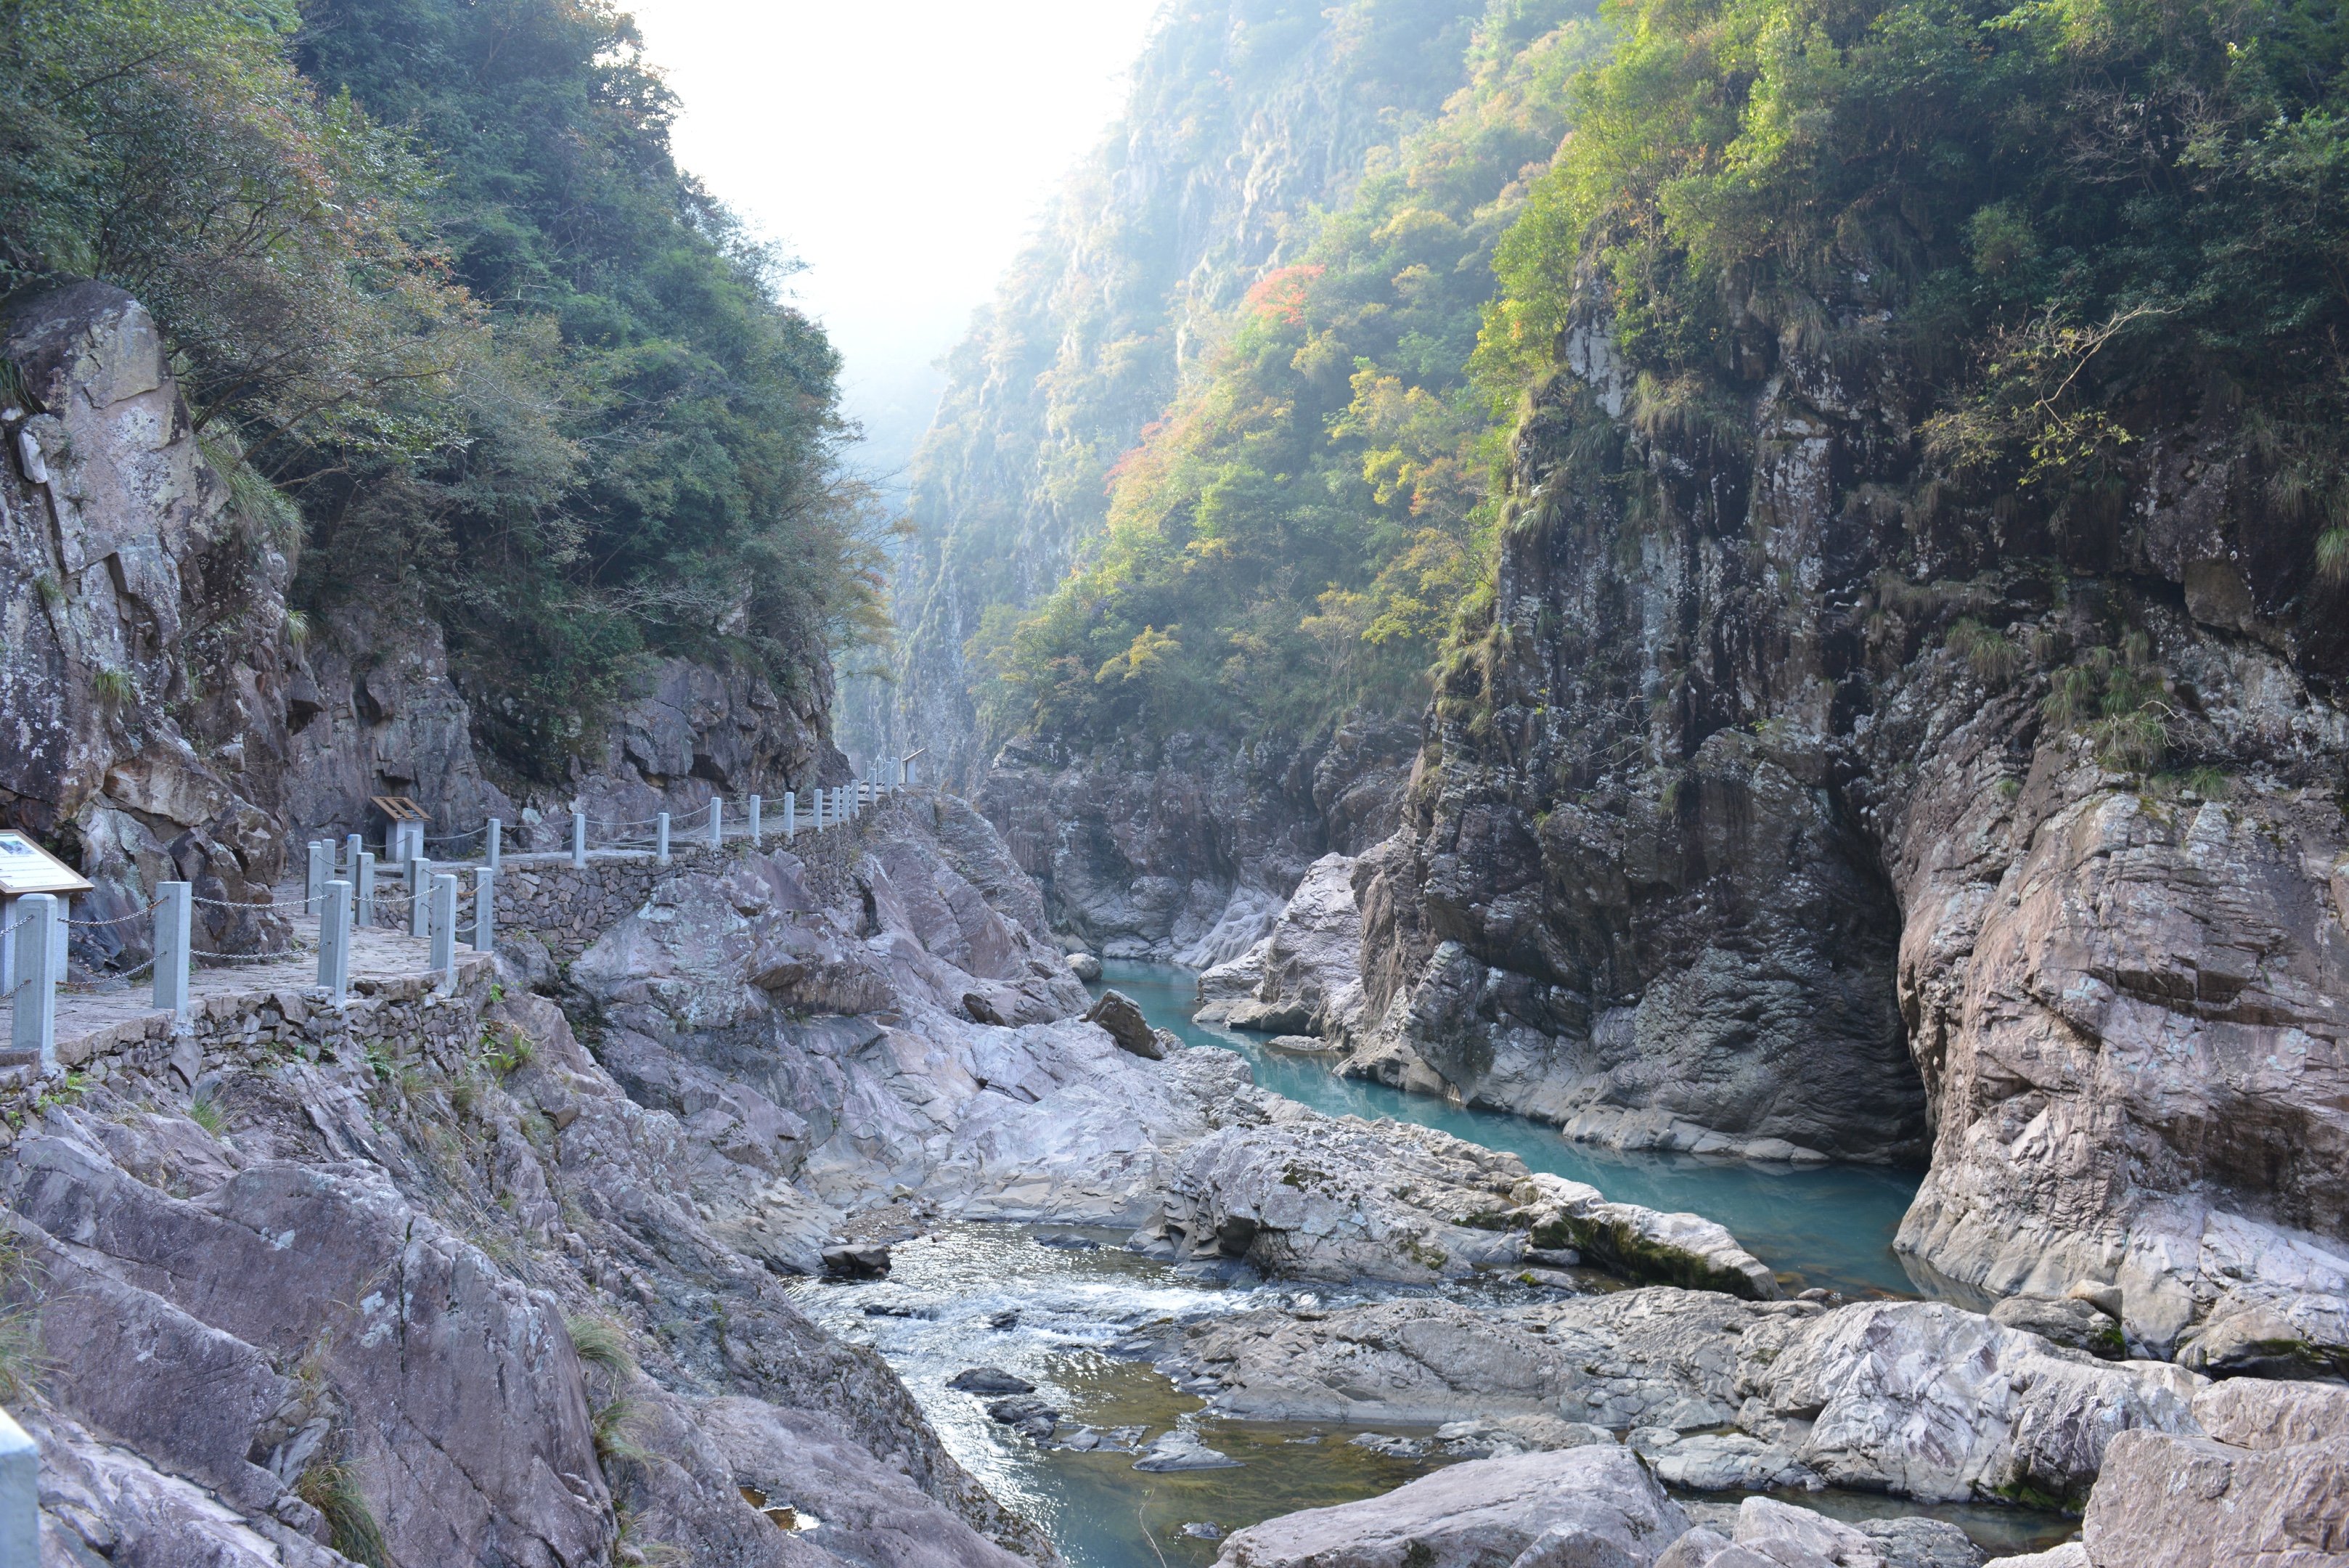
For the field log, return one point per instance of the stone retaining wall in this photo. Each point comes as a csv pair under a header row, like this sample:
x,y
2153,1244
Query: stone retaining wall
x,y
568,907
395,1018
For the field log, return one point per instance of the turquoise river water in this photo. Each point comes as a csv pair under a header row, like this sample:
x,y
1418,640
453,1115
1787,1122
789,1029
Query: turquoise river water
x,y
1819,1225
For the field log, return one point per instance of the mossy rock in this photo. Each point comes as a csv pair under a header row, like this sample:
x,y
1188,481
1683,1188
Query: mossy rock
x,y
1623,1250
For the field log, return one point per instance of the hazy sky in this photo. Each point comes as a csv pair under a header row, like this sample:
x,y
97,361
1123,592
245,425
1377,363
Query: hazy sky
x,y
900,148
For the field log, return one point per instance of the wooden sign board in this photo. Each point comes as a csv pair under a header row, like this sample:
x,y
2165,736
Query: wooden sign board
x,y
26,868
399,808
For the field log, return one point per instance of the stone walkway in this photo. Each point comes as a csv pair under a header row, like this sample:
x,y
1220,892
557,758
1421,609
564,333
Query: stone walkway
x,y
381,961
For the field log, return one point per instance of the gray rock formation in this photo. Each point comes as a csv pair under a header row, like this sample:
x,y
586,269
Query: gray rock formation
x,y
1187,849
374,713
1306,1196
1764,838
1122,1020
2268,1485
379,1276
1921,1399
1305,975
143,660
1576,1506
165,720
1302,1195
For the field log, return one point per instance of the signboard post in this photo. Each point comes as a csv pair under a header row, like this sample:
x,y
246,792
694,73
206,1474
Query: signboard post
x,y
403,834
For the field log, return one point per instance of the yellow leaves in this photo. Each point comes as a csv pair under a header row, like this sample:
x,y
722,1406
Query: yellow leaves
x,y
1418,230
1151,653
1419,447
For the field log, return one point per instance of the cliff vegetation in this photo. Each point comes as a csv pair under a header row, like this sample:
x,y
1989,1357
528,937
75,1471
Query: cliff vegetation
x,y
471,347
1292,537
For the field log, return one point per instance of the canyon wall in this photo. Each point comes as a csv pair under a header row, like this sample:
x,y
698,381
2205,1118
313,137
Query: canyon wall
x,y
1183,850
168,719
1747,820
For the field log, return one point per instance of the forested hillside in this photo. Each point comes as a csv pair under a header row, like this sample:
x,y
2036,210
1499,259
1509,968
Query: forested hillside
x,y
2057,226
1293,536
477,353
1245,120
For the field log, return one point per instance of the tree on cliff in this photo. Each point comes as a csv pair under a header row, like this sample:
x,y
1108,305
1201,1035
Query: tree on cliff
x,y
2063,224
430,269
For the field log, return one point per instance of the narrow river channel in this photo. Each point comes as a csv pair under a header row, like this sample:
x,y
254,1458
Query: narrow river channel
x,y
1818,1225
968,1296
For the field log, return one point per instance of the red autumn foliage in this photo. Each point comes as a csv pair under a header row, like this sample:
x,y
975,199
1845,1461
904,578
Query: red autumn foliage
x,y
1280,296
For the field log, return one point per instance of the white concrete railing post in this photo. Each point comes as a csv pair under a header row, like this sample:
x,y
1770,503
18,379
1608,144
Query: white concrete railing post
x,y
20,1496
578,840
173,909
313,883
352,844
34,1004
485,909
660,837
334,940
494,841
444,926
754,821
839,805
364,914
791,815
419,900
716,823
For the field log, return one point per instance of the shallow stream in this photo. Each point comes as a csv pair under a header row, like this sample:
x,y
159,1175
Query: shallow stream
x,y
967,1296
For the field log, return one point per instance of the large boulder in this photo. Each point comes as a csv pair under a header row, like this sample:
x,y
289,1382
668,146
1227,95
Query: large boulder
x,y
1117,1013
2268,1485
1583,1506
1639,1243
1306,1196
1305,976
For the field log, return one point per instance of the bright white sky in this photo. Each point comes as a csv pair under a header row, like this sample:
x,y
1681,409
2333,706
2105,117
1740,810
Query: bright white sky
x,y
901,148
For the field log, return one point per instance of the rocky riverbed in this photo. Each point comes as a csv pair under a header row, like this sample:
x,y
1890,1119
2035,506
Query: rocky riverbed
x,y
1187,1300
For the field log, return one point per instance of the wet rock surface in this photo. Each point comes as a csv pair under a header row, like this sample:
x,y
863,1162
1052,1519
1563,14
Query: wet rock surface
x,y
1921,1399
1579,1505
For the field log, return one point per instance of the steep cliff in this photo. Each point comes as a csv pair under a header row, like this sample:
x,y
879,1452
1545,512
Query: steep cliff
x,y
145,668
1185,849
171,721
1903,720
1757,819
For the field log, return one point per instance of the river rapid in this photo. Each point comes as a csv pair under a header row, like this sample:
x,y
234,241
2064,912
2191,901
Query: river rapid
x,y
1066,1309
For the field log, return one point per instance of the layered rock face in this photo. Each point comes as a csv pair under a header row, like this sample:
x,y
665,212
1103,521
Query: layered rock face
x,y
144,664
1187,849
451,1288
1746,829
374,713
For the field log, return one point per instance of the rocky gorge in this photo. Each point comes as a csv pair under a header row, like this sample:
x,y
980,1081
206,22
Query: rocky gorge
x,y
825,1201
520,1290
